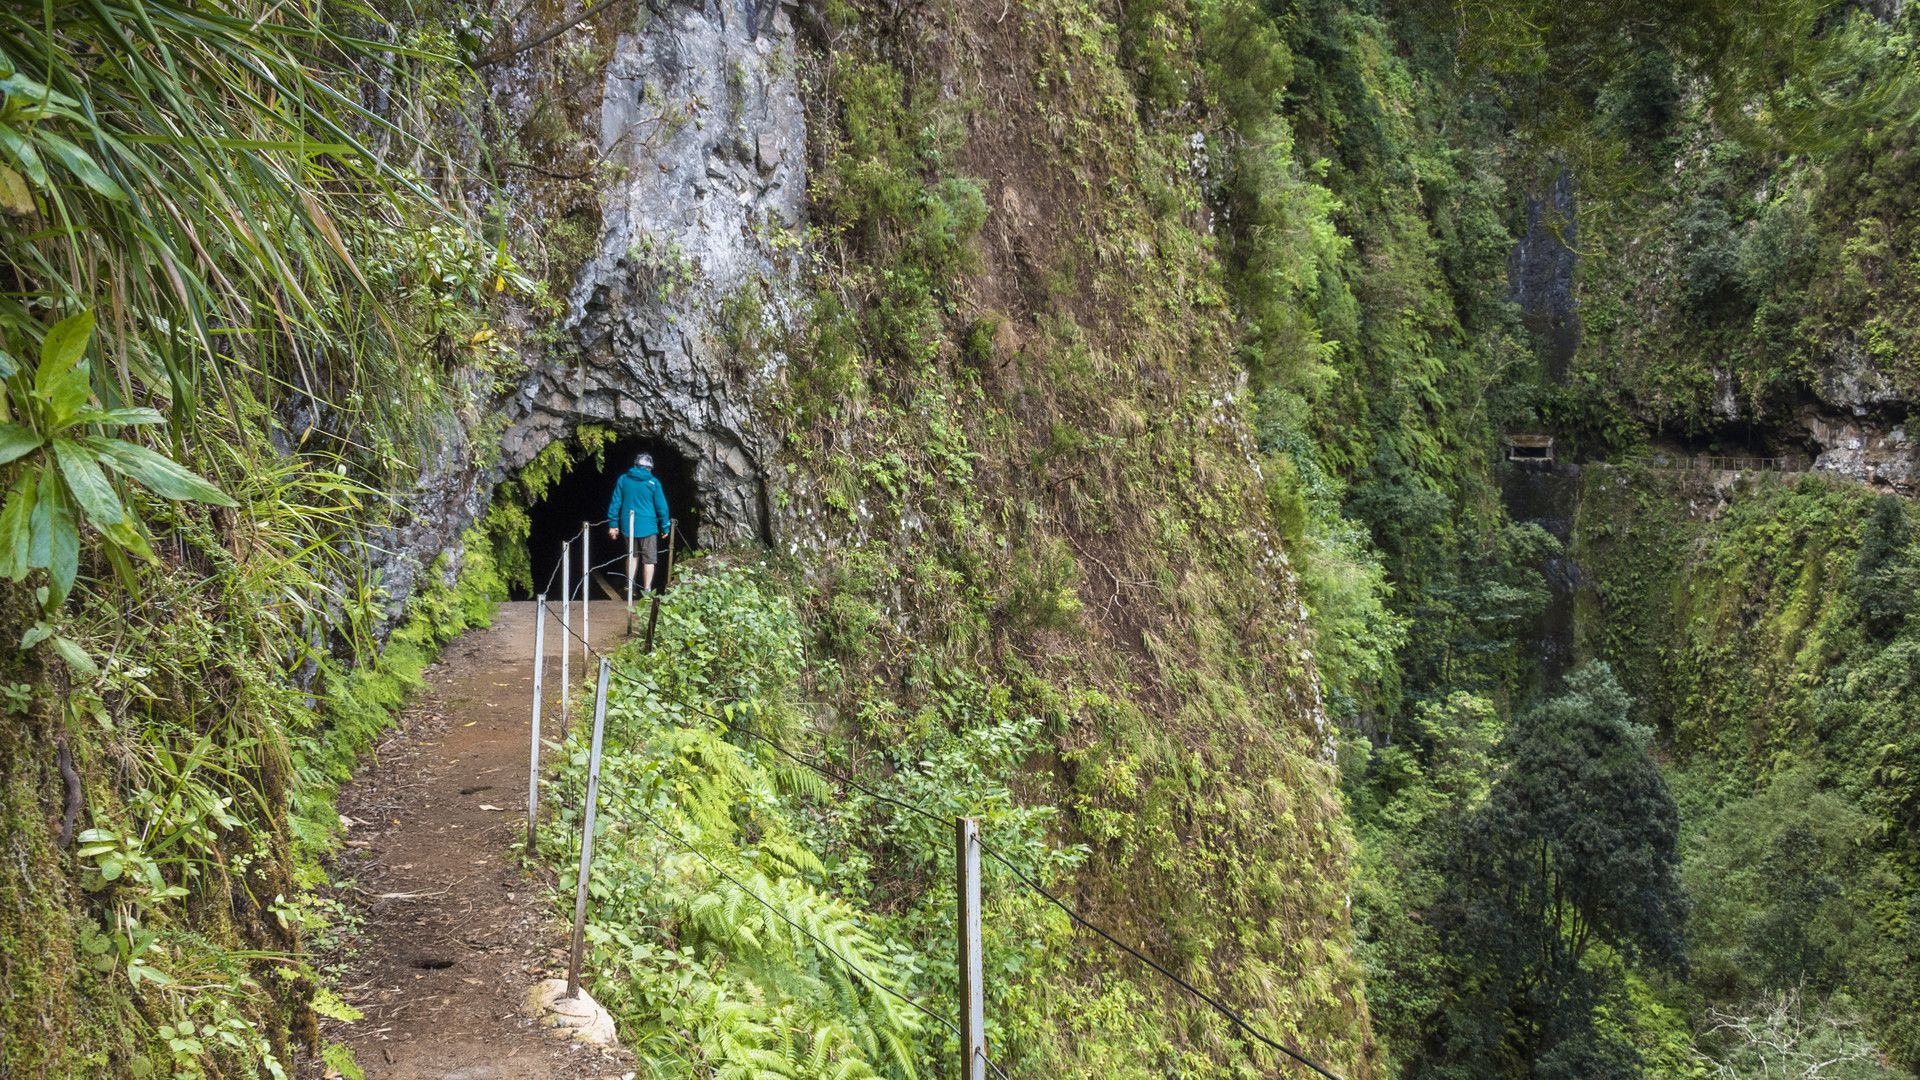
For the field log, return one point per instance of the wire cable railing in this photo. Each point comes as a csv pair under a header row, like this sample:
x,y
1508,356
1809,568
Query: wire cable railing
x,y
851,966
652,686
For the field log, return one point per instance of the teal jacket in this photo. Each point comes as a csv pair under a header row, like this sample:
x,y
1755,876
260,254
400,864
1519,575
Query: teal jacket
x,y
638,493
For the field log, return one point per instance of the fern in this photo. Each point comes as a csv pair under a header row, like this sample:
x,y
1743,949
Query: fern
x,y
762,976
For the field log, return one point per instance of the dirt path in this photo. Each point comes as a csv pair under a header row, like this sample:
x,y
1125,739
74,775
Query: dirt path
x,y
455,928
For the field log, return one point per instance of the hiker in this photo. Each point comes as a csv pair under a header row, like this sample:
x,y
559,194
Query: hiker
x,y
639,509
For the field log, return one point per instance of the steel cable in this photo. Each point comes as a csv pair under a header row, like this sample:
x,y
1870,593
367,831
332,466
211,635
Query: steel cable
x,y
1142,957
656,688
1222,1009
851,966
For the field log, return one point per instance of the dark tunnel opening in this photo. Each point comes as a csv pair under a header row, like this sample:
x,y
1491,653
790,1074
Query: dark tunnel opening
x,y
582,495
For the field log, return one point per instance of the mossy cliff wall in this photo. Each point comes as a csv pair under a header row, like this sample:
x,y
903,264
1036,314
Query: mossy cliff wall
x,y
1006,439
964,348
1764,624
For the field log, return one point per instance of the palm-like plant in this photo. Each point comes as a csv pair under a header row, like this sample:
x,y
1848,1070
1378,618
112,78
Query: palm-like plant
x,y
197,175
56,433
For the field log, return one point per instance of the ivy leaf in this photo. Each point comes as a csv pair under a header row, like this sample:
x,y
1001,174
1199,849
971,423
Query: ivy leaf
x,y
89,485
15,440
162,474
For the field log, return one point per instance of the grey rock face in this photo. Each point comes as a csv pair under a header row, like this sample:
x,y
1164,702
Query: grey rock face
x,y
1540,274
702,111
1849,380
1884,457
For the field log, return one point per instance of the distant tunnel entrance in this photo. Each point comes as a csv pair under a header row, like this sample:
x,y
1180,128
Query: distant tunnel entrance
x,y
582,495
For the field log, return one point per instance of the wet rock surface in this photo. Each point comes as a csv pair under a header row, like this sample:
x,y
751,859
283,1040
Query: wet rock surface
x,y
702,112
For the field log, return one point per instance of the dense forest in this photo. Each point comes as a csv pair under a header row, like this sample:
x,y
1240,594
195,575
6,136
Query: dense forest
x,y
1397,512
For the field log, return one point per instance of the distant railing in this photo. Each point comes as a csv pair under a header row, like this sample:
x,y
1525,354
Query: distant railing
x,y
1733,464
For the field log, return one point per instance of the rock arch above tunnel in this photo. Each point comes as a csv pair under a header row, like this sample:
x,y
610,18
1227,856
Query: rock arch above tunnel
x,y
701,110
709,435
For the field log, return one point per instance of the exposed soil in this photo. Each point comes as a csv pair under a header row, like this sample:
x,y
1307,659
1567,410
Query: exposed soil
x,y
456,925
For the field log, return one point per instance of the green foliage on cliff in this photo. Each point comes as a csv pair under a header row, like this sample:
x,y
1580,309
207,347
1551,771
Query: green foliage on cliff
x,y
199,186
1563,879
1769,644
701,825
1017,403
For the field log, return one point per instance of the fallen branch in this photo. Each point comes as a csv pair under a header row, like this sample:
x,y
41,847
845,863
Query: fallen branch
x,y
546,37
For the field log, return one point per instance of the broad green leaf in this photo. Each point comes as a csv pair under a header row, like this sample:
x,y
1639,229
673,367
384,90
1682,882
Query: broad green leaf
x,y
82,165
118,416
137,972
16,528
15,440
23,154
160,473
110,867
35,634
63,551
63,380
122,568
72,653
8,366
125,536
89,485
17,85
40,525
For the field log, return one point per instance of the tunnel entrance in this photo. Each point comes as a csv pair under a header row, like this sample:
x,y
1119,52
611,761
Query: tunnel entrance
x,y
582,495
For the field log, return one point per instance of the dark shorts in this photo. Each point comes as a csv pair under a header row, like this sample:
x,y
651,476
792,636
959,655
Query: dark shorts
x,y
647,548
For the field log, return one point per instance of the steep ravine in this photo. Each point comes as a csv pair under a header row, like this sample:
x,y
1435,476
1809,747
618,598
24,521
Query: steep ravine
x,y
1091,418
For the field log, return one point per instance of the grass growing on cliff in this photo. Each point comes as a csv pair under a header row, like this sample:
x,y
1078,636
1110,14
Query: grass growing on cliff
x,y
1771,651
218,198
1022,407
696,818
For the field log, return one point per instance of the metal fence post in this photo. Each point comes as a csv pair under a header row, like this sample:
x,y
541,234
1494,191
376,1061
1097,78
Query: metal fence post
x,y
586,597
660,585
586,835
630,566
566,628
539,671
973,1012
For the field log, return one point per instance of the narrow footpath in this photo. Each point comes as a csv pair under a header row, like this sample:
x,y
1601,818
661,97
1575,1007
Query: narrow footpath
x,y
454,928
